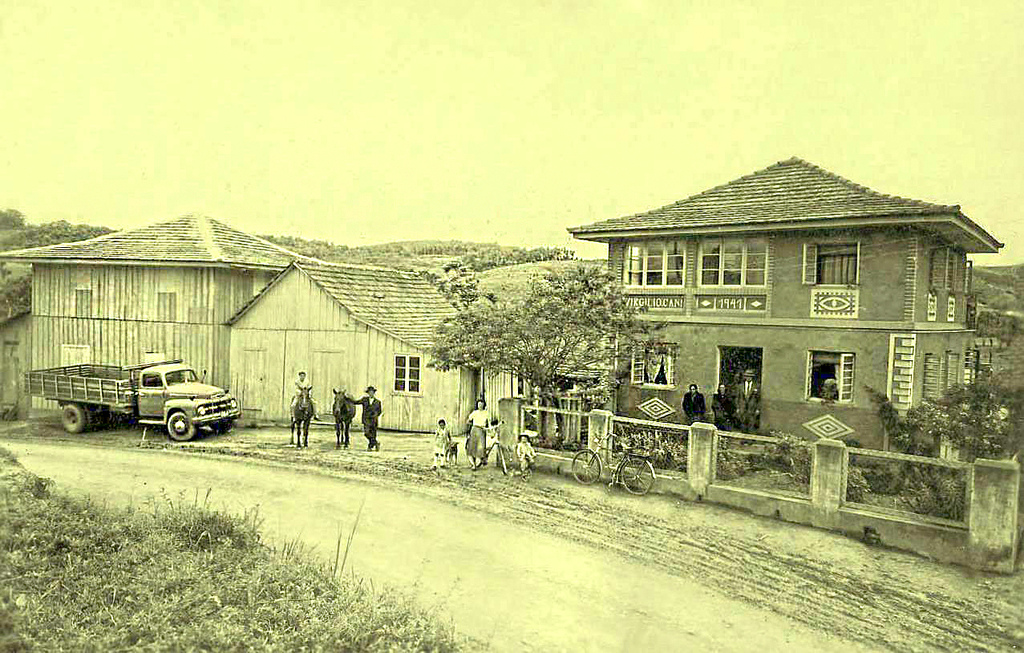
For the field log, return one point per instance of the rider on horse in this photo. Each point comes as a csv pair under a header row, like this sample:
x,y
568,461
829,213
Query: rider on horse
x,y
301,384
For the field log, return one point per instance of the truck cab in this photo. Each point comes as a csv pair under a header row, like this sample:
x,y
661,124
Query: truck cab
x,y
172,394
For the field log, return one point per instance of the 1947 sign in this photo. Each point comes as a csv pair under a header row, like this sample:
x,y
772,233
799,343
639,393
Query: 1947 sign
x,y
656,302
747,303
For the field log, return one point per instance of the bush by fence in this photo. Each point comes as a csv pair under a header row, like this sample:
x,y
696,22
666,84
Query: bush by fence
x,y
914,486
780,461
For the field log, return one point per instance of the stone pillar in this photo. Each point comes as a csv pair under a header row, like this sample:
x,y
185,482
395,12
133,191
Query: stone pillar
x,y
511,411
993,540
702,452
828,477
599,431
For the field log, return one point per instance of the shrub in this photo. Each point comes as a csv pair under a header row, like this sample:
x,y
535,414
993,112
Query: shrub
x,y
856,485
886,478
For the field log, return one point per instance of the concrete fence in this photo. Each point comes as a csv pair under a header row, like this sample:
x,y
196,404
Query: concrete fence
x,y
987,539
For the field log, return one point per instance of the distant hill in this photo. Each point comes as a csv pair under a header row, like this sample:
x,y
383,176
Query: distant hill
x,y
1000,288
513,280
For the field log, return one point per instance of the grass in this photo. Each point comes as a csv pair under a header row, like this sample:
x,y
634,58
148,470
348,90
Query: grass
x,y
178,576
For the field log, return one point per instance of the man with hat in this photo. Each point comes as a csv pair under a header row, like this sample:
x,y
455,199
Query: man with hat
x,y
748,402
371,415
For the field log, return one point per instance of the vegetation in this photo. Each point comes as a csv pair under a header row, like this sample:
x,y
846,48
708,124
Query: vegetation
x,y
563,325
1004,326
179,577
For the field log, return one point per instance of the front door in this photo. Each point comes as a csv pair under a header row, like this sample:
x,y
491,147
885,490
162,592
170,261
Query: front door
x,y
251,384
151,396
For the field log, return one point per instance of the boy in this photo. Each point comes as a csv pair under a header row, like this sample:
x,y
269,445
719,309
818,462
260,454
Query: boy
x,y
442,443
525,454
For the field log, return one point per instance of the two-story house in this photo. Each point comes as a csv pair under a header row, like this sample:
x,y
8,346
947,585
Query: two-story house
x,y
820,286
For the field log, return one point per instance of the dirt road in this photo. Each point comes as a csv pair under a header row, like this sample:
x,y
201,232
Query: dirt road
x,y
501,580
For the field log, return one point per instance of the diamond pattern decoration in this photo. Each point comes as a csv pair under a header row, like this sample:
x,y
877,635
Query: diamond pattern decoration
x,y
828,426
656,408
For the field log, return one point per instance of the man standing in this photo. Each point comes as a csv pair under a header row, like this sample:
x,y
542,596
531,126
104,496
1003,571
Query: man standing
x,y
694,406
371,415
748,403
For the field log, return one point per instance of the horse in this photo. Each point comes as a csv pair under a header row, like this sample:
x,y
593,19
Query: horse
x,y
302,415
344,410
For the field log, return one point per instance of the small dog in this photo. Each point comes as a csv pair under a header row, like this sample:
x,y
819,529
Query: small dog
x,y
452,455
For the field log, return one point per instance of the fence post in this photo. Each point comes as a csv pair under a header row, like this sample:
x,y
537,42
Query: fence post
x,y
828,478
511,411
599,427
992,521
700,464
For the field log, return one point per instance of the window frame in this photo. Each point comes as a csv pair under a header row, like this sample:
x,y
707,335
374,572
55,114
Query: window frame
x,y
644,258
406,377
810,258
639,362
744,268
846,371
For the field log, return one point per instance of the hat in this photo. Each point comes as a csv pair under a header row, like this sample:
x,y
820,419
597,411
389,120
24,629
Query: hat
x,y
749,372
371,389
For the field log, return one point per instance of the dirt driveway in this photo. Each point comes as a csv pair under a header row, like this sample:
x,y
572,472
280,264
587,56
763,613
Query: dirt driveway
x,y
652,552
504,584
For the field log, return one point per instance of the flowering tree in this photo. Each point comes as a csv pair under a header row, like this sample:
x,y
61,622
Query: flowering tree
x,y
570,320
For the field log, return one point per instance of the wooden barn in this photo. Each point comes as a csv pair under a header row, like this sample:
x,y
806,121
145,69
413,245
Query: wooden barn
x,y
347,327
15,338
164,290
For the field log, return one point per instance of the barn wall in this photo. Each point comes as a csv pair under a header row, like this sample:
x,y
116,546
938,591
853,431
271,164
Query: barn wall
x,y
297,327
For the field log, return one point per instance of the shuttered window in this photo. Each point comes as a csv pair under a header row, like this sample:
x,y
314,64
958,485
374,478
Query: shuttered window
x,y
830,375
831,264
953,370
653,364
932,377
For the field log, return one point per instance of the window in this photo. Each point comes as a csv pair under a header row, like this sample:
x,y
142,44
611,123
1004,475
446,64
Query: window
x,y
835,264
167,306
830,376
932,377
653,365
181,376
83,302
933,306
407,374
152,381
954,373
733,262
655,264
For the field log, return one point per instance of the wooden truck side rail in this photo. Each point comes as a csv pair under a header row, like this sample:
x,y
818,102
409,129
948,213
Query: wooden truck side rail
x,y
105,385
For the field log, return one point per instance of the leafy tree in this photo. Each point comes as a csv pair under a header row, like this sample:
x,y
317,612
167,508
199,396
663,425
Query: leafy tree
x,y
459,284
994,324
11,219
565,322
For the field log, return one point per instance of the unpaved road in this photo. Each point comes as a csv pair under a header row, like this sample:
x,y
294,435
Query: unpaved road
x,y
501,580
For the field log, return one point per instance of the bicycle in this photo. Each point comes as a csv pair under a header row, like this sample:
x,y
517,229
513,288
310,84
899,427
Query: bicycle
x,y
506,457
634,471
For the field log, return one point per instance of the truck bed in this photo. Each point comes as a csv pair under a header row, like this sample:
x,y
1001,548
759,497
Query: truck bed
x,y
105,385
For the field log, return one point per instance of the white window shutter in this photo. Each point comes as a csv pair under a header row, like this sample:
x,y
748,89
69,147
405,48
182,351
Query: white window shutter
x,y
670,366
810,263
807,378
968,271
637,373
846,377
950,262
857,277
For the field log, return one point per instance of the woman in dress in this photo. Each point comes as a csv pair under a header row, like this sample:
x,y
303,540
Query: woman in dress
x,y
477,445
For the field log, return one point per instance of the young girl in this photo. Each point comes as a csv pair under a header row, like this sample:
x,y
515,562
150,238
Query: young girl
x,y
525,454
442,442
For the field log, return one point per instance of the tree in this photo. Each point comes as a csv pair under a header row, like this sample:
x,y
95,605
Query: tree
x,y
572,319
11,219
459,284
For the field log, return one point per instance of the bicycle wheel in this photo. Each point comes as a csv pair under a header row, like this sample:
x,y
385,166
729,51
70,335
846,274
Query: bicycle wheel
x,y
586,467
637,475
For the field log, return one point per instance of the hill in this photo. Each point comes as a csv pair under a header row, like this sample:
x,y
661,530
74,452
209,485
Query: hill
x,y
512,280
1000,288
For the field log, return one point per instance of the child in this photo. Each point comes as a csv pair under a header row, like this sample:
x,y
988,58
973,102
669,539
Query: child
x,y
525,454
442,442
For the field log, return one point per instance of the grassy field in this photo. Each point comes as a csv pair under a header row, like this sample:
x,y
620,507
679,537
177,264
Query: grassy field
x,y
180,577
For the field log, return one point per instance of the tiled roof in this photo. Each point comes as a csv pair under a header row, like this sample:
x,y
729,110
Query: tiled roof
x,y
188,239
402,304
791,190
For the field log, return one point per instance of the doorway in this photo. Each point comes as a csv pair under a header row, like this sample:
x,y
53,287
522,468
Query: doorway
x,y
734,361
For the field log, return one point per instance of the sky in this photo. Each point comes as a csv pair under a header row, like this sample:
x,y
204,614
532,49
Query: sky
x,y
367,122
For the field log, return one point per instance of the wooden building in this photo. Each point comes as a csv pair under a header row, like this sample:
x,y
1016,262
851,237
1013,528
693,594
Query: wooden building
x,y
15,339
164,289
347,327
819,286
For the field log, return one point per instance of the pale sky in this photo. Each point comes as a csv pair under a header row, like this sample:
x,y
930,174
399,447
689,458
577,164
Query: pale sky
x,y
497,121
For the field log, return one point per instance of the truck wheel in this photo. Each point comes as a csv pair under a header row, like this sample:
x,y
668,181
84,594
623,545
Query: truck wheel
x,y
180,428
74,418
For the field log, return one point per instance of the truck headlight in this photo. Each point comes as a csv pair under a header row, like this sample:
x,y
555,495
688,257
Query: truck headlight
x,y
234,403
201,410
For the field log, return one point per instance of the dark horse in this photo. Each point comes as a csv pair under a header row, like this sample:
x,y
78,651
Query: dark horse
x,y
344,411
302,415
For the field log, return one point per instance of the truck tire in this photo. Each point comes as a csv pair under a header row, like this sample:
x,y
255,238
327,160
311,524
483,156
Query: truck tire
x,y
179,427
74,418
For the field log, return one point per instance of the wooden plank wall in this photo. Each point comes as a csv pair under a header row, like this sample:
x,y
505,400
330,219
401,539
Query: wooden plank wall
x,y
297,326
15,355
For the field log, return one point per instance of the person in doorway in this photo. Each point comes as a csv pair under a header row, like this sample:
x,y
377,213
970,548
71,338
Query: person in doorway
x,y
694,406
748,403
723,408
372,410
304,384
442,443
476,445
